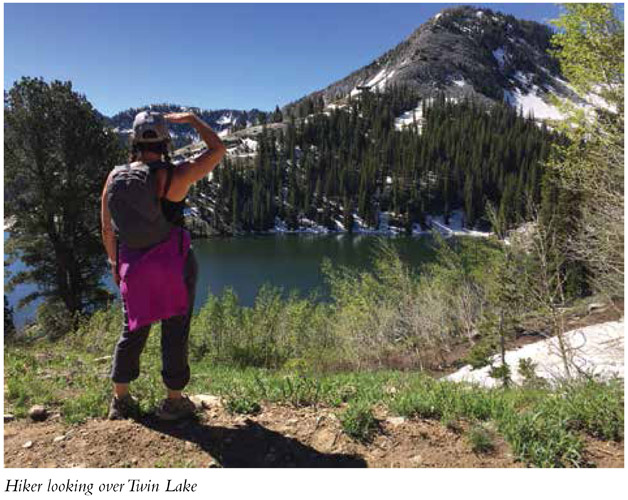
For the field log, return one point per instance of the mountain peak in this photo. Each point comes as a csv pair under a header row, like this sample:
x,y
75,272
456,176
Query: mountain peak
x,y
464,51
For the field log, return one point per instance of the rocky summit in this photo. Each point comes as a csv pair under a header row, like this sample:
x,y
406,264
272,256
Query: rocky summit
x,y
464,51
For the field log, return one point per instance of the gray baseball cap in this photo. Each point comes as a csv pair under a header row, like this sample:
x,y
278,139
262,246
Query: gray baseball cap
x,y
149,126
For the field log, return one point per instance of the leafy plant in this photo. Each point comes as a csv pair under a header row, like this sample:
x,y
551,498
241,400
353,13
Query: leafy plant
x,y
481,439
242,405
359,422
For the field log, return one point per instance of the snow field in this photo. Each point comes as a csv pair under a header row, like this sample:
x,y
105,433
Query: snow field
x,y
596,349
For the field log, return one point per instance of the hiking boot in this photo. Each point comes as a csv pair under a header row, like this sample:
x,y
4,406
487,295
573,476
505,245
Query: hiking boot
x,y
123,407
176,409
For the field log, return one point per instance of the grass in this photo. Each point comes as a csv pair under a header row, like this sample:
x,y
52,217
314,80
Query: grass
x,y
243,405
544,426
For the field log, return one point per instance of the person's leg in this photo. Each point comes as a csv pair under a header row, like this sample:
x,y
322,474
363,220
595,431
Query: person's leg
x,y
126,357
126,368
174,338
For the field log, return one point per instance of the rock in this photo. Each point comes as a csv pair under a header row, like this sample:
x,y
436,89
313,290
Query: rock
x,y
324,440
596,306
417,459
206,401
27,444
395,421
9,418
58,439
103,359
38,413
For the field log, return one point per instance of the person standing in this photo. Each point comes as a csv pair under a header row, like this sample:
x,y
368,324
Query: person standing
x,y
151,258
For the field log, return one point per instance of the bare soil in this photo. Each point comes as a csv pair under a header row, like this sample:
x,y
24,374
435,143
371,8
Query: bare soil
x,y
279,436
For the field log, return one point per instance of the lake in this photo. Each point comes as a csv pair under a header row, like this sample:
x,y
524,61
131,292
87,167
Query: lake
x,y
289,261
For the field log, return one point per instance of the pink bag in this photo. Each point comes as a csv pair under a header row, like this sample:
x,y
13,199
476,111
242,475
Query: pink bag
x,y
151,281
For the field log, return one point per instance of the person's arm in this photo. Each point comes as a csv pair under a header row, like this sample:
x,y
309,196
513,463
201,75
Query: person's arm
x,y
108,234
192,171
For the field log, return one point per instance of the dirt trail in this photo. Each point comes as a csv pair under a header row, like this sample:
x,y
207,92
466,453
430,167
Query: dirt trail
x,y
279,436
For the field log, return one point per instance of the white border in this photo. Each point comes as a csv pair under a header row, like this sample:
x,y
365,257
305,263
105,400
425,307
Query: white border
x,y
461,484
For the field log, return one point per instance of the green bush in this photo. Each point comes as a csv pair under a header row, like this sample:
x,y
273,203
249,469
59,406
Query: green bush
x,y
541,440
593,407
242,405
480,354
480,439
359,422
527,370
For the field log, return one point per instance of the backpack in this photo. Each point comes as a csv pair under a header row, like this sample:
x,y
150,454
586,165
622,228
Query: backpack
x,y
140,217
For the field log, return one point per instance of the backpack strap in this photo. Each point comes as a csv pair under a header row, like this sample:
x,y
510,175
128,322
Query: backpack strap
x,y
125,166
158,165
169,174
117,255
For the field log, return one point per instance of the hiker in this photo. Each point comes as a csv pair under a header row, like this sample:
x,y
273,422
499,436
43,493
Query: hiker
x,y
151,258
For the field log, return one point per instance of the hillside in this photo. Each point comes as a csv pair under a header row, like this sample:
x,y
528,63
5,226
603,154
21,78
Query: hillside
x,y
369,153
464,52
288,418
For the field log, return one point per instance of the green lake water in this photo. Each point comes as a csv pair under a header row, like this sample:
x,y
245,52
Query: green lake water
x,y
291,262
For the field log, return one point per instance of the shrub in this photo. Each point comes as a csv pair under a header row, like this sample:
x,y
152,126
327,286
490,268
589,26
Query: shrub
x,y
242,405
480,439
359,422
480,354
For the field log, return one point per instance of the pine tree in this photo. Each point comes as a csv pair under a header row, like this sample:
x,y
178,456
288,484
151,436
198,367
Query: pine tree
x,y
58,152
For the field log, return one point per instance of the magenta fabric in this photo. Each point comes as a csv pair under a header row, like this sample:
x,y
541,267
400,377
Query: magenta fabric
x,y
151,281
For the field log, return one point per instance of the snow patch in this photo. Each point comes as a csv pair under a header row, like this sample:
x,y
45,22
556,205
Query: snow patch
x,y
410,118
599,102
532,104
416,115
598,350
454,227
334,106
379,76
339,225
380,79
225,119
119,130
378,82
250,143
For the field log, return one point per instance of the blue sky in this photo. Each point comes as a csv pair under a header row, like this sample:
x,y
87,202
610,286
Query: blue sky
x,y
208,55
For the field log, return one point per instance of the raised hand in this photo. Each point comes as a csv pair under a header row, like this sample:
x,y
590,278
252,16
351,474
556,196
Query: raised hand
x,y
183,117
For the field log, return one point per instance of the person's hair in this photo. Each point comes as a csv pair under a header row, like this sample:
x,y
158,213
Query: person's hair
x,y
153,147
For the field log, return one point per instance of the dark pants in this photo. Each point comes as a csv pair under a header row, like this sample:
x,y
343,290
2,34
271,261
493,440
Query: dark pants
x,y
174,342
